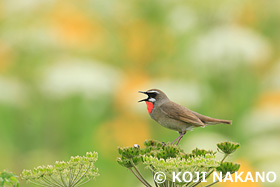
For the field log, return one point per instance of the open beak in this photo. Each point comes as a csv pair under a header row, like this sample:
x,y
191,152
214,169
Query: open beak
x,y
143,99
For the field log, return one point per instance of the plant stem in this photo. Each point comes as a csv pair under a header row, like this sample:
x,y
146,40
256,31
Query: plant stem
x,y
137,177
39,183
76,176
57,182
189,183
212,183
156,184
70,177
82,175
215,182
170,183
208,174
82,182
49,182
226,155
62,179
139,174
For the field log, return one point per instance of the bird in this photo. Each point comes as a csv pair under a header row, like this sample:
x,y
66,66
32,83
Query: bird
x,y
174,116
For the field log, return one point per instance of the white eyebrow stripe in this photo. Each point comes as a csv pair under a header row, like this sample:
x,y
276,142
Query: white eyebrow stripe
x,y
153,91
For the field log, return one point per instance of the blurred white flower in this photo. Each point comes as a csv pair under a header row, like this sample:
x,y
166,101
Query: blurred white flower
x,y
181,19
262,125
32,38
89,78
228,45
262,120
26,5
268,166
262,148
272,81
106,8
12,91
263,152
190,94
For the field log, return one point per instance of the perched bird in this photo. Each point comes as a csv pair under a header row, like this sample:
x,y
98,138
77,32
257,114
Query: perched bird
x,y
174,116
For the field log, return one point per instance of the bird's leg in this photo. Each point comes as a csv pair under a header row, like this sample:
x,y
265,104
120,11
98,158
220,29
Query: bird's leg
x,y
176,139
181,136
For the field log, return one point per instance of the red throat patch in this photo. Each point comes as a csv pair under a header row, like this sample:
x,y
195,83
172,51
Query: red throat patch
x,y
150,106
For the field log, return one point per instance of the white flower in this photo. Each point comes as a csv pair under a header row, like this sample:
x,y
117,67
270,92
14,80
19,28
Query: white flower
x,y
88,78
262,120
262,147
272,81
262,125
181,19
228,45
26,5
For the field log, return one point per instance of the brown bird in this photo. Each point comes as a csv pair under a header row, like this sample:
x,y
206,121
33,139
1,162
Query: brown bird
x,y
174,116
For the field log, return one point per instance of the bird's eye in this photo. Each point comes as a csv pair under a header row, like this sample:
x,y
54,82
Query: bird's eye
x,y
152,95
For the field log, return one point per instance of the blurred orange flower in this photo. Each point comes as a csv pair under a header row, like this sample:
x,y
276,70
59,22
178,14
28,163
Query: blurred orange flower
x,y
73,26
5,56
125,130
270,100
127,92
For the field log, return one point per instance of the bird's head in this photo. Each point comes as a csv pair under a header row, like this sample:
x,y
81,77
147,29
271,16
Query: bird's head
x,y
154,96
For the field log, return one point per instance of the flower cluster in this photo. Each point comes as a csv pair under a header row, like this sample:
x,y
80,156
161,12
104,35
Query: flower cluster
x,y
75,172
228,147
228,167
179,164
152,148
130,156
168,158
8,178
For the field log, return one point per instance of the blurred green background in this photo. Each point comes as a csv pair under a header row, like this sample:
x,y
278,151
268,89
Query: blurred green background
x,y
70,72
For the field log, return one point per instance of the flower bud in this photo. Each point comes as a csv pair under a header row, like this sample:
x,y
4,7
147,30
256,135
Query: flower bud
x,y
228,147
228,167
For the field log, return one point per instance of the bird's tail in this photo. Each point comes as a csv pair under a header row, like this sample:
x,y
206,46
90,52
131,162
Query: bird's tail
x,y
214,121
211,121
224,121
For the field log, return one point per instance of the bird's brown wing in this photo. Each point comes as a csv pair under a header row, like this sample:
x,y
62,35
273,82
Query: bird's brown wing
x,y
180,113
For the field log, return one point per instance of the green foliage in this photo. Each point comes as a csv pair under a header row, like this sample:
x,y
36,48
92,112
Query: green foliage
x,y
228,147
168,158
8,179
75,172
201,152
228,167
128,163
179,164
129,152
